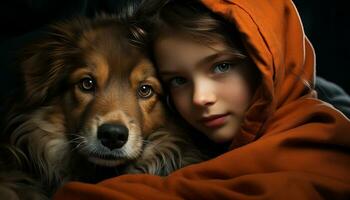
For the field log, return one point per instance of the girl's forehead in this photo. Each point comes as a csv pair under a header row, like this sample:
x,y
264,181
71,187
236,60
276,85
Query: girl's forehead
x,y
177,53
181,39
179,43
182,47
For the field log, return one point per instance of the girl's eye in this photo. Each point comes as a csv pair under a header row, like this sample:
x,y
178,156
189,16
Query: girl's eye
x,y
145,91
177,81
222,68
87,85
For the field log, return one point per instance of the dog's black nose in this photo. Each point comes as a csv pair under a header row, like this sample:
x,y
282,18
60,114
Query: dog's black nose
x,y
113,136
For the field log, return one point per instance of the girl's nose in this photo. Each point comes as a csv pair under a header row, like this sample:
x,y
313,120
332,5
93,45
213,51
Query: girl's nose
x,y
203,94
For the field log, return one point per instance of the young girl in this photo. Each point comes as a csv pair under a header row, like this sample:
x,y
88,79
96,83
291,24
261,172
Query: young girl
x,y
242,73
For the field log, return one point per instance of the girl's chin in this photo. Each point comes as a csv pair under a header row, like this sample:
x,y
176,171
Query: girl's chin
x,y
220,137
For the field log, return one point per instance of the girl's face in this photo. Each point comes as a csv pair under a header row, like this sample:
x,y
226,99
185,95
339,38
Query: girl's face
x,y
208,84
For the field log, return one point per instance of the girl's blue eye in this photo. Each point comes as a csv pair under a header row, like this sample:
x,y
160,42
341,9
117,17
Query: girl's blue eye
x,y
222,68
177,81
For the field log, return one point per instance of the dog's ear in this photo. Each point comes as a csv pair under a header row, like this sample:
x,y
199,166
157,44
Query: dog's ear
x,y
40,73
44,60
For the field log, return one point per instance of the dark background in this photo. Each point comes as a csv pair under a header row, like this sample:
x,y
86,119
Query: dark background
x,y
326,24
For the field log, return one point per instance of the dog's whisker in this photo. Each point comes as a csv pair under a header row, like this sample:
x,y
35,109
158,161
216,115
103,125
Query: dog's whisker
x,y
79,144
77,139
76,135
85,146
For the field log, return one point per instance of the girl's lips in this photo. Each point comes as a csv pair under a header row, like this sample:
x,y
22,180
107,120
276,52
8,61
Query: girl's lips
x,y
214,120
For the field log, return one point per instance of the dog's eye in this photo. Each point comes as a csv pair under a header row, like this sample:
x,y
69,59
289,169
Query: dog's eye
x,y
145,91
87,84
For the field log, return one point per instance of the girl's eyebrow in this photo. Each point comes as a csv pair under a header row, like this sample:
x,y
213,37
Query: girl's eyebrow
x,y
219,54
167,72
208,59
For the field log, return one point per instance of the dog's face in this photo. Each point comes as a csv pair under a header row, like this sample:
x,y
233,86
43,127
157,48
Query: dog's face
x,y
104,86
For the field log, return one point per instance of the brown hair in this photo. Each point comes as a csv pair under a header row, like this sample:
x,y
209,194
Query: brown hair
x,y
190,18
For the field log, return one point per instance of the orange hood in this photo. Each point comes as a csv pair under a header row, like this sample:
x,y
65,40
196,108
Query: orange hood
x,y
274,38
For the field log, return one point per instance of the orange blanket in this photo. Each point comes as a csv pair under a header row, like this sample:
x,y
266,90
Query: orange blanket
x,y
291,145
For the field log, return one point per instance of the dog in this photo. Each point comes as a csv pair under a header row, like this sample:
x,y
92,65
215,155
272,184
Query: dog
x,y
91,109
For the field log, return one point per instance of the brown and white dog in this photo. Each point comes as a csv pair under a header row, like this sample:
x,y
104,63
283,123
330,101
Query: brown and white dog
x,y
90,109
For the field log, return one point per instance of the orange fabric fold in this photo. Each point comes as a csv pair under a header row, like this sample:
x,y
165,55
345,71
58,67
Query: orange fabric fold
x,y
291,145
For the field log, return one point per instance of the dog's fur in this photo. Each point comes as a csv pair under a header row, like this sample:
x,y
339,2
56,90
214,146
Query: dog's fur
x,y
85,74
